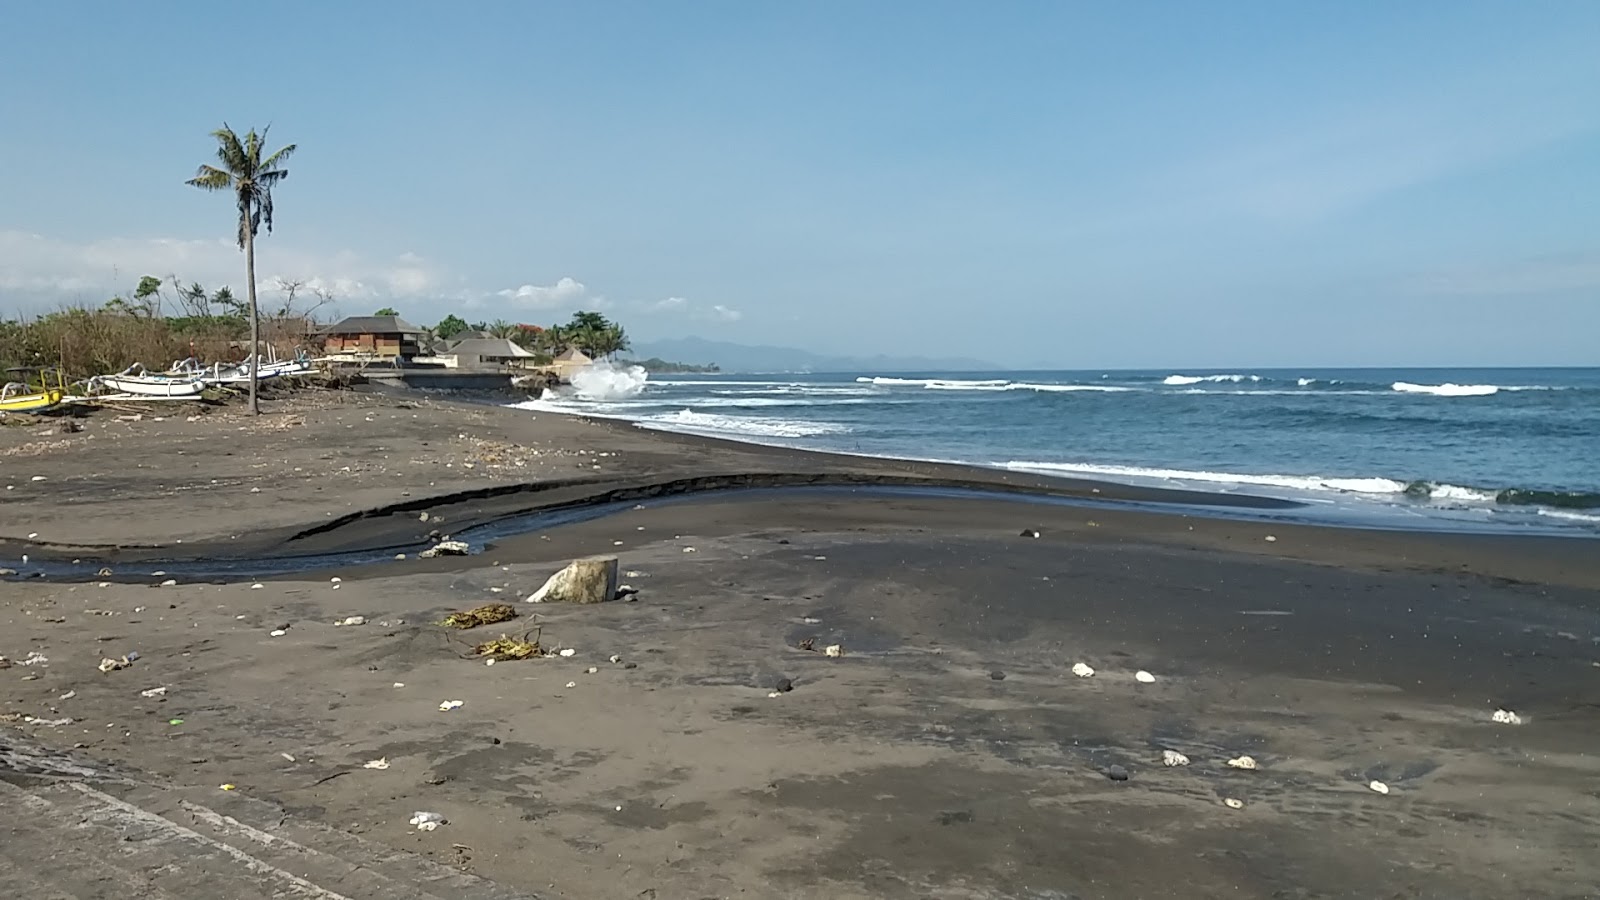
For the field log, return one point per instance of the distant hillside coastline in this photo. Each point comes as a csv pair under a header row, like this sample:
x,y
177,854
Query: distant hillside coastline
x,y
657,365
726,356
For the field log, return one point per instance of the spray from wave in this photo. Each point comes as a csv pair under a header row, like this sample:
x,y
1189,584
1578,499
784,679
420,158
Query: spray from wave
x,y
602,382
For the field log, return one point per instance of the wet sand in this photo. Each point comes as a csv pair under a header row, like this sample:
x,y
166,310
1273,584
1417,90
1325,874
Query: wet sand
x,y
949,753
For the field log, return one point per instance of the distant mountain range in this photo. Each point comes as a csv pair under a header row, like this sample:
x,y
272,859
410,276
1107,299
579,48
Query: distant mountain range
x,y
731,357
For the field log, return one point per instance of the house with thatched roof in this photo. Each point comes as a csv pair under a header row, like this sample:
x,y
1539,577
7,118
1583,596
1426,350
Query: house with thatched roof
x,y
568,361
389,337
481,352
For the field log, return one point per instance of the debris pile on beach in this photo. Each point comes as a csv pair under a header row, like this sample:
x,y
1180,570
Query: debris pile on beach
x,y
487,614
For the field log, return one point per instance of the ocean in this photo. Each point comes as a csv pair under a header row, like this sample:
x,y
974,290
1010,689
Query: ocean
x,y
1455,449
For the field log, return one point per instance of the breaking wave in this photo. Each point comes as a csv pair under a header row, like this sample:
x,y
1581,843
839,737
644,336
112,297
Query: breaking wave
x,y
601,382
1447,389
1296,482
1196,379
748,426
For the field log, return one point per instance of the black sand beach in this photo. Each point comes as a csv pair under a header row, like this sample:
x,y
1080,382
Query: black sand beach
x,y
948,752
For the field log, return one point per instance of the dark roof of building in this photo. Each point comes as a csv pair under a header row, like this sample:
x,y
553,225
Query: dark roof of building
x,y
372,325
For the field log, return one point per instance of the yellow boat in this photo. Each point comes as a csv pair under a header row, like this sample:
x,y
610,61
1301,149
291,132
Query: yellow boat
x,y
24,396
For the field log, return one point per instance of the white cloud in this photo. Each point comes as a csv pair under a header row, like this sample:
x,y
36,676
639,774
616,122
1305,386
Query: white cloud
x,y
534,296
685,307
45,270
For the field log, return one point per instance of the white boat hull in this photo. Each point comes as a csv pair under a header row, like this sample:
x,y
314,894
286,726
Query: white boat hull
x,y
153,387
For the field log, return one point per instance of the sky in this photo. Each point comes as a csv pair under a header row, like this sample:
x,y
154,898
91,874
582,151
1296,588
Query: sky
x,y
1053,184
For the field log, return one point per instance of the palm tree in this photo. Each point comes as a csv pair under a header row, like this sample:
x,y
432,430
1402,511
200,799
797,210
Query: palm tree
x,y
251,178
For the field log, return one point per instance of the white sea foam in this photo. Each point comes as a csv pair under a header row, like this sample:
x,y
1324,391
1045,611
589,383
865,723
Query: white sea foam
x,y
1447,389
999,384
1461,494
1196,379
1569,515
1295,482
604,381
938,384
1305,382
747,426
1067,388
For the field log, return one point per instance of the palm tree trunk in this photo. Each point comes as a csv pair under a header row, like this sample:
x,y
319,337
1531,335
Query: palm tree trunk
x,y
255,318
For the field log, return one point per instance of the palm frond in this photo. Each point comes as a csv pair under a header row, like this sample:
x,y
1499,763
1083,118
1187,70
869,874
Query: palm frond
x,y
276,159
210,178
264,206
229,152
270,178
252,149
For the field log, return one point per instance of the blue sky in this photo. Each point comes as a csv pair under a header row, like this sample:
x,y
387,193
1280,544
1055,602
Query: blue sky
x,y
1068,184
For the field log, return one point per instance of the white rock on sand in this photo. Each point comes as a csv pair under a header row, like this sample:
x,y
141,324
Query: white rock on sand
x,y
445,548
592,580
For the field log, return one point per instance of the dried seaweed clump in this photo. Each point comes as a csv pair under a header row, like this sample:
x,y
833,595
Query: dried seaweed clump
x,y
505,647
488,614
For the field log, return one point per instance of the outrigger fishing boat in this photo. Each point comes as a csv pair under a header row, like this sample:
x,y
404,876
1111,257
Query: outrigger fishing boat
x,y
135,380
271,367
23,396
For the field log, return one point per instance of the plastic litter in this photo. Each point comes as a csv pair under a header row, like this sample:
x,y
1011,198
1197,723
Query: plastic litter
x,y
615,658
833,651
426,821
381,762
169,582
1144,677
1506,717
277,632
567,652
1377,787
1243,762
287,756
572,684
228,787
447,705
1173,758
33,659
68,695
1082,670
257,586
351,620
1231,803
111,665
154,692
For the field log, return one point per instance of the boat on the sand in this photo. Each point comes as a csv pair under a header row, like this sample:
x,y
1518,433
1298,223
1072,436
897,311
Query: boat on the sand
x,y
24,396
134,380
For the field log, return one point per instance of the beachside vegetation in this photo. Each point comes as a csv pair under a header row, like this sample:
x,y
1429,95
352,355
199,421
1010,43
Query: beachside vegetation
x,y
249,174
157,323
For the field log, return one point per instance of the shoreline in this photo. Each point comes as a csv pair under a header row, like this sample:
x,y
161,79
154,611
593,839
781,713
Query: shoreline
x,y
196,520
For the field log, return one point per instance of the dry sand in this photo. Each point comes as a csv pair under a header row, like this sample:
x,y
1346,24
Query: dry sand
x,y
948,753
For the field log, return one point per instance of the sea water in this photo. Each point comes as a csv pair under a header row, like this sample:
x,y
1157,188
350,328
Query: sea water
x,y
1503,449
